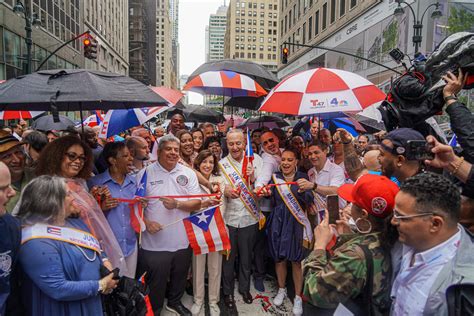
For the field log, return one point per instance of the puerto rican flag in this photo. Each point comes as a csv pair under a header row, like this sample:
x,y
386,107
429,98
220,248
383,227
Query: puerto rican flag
x,y
206,231
248,159
136,213
54,230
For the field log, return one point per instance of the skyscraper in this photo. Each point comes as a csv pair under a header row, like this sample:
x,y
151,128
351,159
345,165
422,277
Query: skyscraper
x,y
215,34
252,32
164,48
174,17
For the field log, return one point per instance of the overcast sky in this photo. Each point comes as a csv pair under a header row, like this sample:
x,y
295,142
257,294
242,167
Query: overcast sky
x,y
193,18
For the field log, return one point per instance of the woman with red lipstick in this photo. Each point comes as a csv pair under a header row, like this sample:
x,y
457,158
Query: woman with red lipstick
x,y
186,148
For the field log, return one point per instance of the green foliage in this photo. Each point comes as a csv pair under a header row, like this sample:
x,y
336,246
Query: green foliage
x,y
460,20
390,37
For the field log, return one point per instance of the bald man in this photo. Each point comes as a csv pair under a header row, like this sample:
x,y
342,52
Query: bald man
x,y
11,237
371,160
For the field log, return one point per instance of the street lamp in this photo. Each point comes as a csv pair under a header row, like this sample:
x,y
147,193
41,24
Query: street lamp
x,y
31,19
417,25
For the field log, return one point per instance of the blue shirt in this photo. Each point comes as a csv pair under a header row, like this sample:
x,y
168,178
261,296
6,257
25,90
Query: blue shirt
x,y
119,217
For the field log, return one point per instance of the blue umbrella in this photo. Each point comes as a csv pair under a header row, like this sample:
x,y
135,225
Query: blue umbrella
x,y
341,122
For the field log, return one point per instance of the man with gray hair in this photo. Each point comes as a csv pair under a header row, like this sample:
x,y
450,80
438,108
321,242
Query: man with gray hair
x,y
243,216
165,253
11,236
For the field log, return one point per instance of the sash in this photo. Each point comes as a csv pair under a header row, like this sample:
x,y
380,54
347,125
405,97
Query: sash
x,y
235,178
70,235
296,210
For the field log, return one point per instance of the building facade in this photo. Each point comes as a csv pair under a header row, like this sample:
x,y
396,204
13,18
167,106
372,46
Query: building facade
x,y
108,22
215,34
164,49
142,43
367,29
252,32
174,17
60,22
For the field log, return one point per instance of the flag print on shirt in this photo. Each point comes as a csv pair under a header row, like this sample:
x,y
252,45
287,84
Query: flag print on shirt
x,y
206,231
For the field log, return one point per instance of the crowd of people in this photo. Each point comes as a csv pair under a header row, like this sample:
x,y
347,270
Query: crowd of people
x,y
400,239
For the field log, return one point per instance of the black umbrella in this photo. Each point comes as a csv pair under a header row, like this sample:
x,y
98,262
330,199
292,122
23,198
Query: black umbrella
x,y
255,71
75,90
250,103
201,113
264,120
46,123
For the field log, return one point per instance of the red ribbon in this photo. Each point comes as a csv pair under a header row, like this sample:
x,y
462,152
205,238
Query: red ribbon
x,y
259,192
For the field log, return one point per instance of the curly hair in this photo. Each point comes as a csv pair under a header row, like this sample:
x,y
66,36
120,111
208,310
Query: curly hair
x,y
51,157
434,193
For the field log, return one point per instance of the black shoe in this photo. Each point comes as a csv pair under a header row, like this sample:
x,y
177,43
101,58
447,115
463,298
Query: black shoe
x,y
248,299
229,302
258,284
179,309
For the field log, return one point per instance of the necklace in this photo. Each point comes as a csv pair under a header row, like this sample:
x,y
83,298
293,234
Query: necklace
x,y
290,177
85,255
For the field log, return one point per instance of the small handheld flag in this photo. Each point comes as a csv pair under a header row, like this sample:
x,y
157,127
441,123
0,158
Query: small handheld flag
x,y
248,159
136,214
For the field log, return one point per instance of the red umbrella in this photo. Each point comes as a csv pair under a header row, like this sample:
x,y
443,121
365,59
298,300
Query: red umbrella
x,y
225,83
171,95
322,90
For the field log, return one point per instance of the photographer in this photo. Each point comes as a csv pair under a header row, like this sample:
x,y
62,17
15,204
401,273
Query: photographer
x,y
461,118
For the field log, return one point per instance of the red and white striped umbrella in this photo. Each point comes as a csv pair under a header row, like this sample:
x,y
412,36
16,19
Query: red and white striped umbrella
x,y
225,83
322,90
23,115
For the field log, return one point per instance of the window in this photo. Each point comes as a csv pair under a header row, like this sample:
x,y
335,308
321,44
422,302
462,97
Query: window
x,y
286,23
325,16
353,3
316,23
289,24
342,7
333,11
310,28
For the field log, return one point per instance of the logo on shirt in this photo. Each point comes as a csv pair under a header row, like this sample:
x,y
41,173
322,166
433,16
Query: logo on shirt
x,y
5,264
182,180
379,205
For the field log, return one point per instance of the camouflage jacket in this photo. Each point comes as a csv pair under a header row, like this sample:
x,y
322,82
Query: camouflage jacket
x,y
330,280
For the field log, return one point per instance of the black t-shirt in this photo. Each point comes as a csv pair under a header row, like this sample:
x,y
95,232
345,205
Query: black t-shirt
x,y
10,238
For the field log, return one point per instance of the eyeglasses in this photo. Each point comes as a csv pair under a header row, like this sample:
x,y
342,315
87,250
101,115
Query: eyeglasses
x,y
73,157
405,217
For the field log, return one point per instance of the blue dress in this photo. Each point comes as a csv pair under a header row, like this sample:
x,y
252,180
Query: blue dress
x,y
59,280
284,233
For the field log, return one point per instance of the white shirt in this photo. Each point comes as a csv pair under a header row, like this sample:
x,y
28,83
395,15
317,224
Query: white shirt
x,y
412,285
236,214
271,163
330,176
179,181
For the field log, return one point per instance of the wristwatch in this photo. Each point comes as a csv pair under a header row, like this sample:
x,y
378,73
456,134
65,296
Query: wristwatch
x,y
450,97
315,185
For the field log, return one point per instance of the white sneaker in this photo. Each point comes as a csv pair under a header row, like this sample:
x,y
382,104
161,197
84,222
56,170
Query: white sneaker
x,y
196,309
297,306
214,309
278,299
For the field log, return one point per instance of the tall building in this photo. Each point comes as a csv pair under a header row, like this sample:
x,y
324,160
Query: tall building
x,y
174,16
108,22
182,82
164,48
60,22
252,32
215,34
366,29
142,52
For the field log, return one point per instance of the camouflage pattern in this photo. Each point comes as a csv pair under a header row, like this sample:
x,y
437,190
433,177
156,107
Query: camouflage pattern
x,y
333,279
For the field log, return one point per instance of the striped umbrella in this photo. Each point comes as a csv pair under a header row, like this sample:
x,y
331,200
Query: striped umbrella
x,y
321,90
225,83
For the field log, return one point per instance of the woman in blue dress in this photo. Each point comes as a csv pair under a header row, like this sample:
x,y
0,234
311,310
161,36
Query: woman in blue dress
x,y
287,234
60,259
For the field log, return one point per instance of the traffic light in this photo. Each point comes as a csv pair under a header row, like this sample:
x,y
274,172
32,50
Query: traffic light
x,y
284,55
90,47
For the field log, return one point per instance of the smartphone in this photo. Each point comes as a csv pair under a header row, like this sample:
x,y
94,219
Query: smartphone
x,y
419,150
332,202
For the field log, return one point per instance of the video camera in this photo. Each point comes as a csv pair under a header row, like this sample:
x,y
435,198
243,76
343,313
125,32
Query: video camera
x,y
418,94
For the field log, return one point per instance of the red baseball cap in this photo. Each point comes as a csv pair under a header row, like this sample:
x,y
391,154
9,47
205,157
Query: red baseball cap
x,y
374,193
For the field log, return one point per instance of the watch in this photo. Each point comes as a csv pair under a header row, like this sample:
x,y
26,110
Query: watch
x,y
315,185
450,97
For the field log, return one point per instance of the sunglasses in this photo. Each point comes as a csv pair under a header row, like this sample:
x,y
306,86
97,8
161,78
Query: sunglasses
x,y
73,157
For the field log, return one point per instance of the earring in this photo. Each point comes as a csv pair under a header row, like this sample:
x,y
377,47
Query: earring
x,y
360,230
